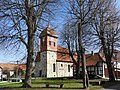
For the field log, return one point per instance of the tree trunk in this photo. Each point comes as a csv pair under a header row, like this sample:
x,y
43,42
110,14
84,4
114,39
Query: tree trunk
x,y
27,82
82,55
108,56
78,66
84,70
30,49
110,69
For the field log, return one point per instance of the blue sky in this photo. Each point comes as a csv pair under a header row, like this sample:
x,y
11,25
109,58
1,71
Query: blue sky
x,y
11,56
118,4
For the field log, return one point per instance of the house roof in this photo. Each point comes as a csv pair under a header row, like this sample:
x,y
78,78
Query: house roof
x,y
116,55
10,66
48,31
62,50
91,60
22,67
61,57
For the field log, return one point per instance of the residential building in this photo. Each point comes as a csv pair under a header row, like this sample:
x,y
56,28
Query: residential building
x,y
10,70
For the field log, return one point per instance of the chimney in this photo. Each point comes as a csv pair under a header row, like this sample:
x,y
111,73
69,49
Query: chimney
x,y
92,53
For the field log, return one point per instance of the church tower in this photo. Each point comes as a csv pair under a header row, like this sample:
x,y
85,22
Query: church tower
x,y
48,40
48,53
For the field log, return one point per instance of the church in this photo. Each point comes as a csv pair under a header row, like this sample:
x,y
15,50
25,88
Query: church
x,y
52,60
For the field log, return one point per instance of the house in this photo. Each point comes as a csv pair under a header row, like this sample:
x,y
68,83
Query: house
x,y
9,70
0,73
96,65
54,61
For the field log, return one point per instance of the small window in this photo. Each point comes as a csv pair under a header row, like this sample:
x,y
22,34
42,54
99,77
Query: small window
x,y
43,39
61,65
54,43
49,42
80,69
52,38
40,73
92,68
54,67
68,68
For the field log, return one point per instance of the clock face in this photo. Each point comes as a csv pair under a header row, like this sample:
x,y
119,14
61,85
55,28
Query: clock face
x,y
52,38
43,39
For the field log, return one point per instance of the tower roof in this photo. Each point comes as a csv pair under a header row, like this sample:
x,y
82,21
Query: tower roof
x,y
49,31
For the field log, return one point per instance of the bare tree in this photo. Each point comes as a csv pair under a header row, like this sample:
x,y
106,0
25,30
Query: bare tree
x,y
20,19
105,28
81,12
68,36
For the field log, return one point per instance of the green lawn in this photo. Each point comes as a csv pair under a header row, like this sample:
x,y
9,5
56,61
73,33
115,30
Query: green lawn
x,y
39,84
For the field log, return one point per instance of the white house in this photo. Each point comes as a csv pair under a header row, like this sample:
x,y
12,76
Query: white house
x,y
10,70
0,73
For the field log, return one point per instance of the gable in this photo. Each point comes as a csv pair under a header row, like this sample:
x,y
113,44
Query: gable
x,y
92,60
12,67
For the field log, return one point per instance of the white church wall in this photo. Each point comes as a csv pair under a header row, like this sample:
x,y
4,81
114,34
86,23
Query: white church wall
x,y
40,67
62,69
51,59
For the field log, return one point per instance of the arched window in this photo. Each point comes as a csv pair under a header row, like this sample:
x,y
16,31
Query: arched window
x,y
68,68
54,67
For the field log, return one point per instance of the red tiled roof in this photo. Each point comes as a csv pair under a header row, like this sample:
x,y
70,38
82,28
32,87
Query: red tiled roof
x,y
7,66
63,57
48,31
10,66
62,49
91,60
22,67
116,55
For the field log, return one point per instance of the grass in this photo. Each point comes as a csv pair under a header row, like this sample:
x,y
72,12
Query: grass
x,y
38,84
39,81
68,83
10,84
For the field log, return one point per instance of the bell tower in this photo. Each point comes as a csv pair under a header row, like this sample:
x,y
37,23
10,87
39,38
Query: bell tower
x,y
48,40
48,52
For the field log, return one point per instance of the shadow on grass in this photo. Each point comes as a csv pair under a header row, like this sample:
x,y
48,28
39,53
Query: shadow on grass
x,y
37,88
111,85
